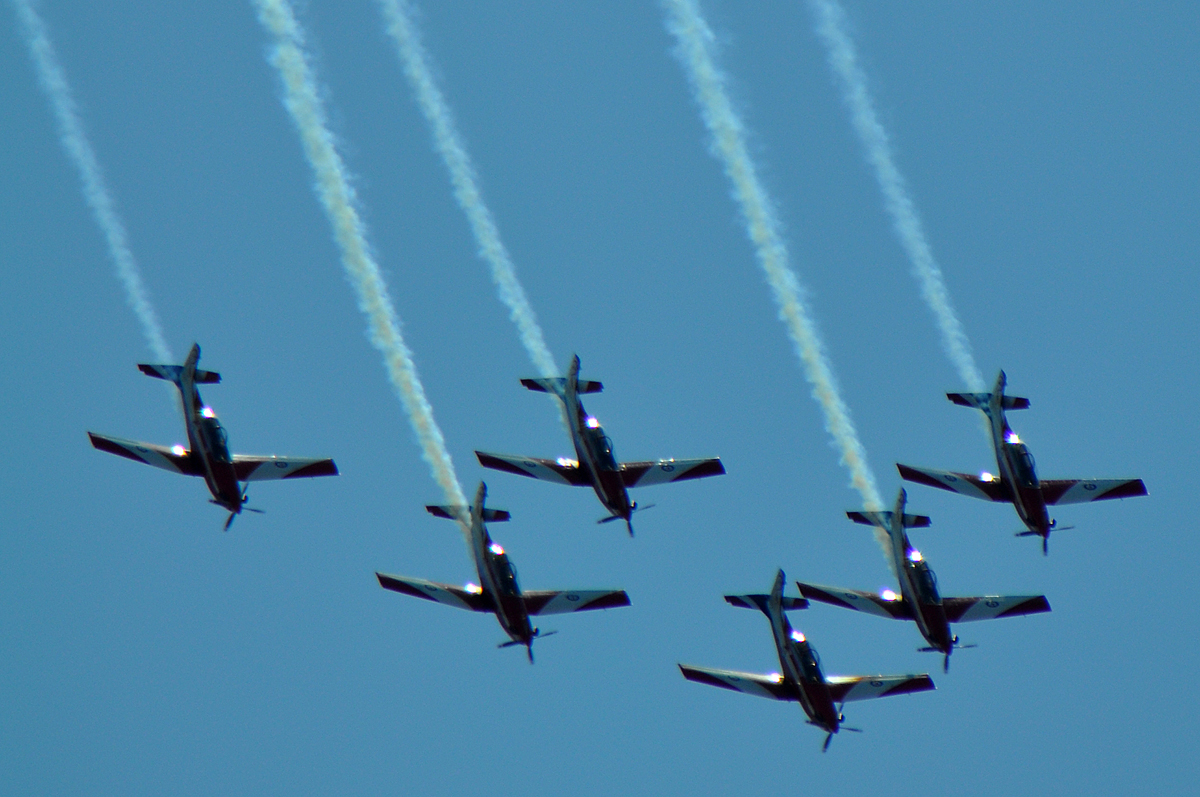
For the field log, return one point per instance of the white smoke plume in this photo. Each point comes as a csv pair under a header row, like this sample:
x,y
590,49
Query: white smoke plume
x,y
95,191
404,32
843,58
729,146
333,189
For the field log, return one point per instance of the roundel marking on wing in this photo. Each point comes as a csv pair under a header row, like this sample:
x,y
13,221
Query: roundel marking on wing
x,y
529,464
571,596
991,604
667,468
143,449
852,596
1089,486
950,478
281,464
876,683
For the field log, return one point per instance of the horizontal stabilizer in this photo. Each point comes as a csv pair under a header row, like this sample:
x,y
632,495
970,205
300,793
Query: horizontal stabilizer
x,y
251,468
564,601
849,688
558,385
1081,491
760,602
884,519
981,401
175,458
458,597
897,608
174,373
562,471
964,610
452,513
770,686
992,489
642,474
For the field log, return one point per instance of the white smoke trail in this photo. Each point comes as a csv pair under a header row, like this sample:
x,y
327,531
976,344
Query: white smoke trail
x,y
831,26
462,176
95,191
695,51
338,197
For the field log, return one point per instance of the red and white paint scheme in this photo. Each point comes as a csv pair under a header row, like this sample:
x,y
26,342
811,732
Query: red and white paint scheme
x,y
1017,481
497,591
919,599
595,465
208,454
801,678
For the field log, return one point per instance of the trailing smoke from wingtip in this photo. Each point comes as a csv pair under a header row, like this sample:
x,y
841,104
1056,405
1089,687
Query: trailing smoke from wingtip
x,y
450,147
843,59
337,197
729,146
95,190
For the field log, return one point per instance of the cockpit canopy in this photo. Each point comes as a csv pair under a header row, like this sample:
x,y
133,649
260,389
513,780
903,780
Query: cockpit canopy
x,y
925,580
1026,470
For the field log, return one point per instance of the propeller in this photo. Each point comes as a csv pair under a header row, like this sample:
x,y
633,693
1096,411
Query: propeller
x,y
241,506
537,634
953,645
628,520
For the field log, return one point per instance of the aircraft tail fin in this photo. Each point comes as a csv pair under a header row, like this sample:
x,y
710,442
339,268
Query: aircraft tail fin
x,y
454,512
884,519
174,373
558,385
760,601
981,401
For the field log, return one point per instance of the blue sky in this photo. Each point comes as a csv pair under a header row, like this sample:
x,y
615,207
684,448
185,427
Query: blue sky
x,y
1051,153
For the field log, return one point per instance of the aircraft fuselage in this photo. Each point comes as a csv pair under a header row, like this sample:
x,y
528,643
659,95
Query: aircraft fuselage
x,y
1017,468
918,585
498,578
594,451
801,667
208,440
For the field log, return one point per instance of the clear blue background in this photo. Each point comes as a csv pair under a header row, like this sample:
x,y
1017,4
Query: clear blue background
x,y
1052,151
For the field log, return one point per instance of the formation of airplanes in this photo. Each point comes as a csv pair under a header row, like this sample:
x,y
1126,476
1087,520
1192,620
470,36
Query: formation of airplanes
x,y
800,678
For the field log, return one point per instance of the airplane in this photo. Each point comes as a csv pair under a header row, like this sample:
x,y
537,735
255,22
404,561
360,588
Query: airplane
x,y
595,465
919,599
209,445
801,678
497,591
1017,481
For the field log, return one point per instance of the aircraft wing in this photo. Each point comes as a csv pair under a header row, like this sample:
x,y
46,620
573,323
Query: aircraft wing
x,y
964,610
641,474
562,471
250,468
868,602
771,686
175,459
554,601
1080,491
964,483
848,688
441,593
